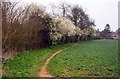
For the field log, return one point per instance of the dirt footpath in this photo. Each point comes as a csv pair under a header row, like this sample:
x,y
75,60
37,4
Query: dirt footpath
x,y
43,72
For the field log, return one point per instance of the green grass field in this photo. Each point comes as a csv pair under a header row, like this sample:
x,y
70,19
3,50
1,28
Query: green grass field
x,y
28,64
90,58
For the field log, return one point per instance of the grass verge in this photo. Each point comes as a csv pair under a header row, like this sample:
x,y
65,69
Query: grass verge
x,y
28,64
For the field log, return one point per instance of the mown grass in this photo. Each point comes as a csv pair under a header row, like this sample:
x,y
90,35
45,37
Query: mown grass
x,y
28,64
91,58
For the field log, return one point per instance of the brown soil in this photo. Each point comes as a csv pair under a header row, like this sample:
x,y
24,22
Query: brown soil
x,y
84,72
43,72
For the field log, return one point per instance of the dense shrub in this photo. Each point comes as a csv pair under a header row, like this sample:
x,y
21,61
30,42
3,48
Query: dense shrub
x,y
30,27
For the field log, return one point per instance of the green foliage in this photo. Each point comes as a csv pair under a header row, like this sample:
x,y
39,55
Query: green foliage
x,y
90,58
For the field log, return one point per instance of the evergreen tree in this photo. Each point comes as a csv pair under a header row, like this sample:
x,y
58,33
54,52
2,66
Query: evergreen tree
x,y
106,33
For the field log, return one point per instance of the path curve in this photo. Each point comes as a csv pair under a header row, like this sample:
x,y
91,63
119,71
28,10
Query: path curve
x,y
43,72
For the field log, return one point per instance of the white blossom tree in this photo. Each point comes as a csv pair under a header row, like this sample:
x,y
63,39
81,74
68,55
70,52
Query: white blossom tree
x,y
61,27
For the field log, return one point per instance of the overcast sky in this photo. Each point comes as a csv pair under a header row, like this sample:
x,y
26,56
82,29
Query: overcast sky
x,y
103,11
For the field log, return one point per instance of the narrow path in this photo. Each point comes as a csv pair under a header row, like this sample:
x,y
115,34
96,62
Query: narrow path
x,y
43,72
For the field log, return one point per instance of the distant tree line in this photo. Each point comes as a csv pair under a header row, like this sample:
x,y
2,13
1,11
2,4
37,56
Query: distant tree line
x,y
108,34
31,27
118,31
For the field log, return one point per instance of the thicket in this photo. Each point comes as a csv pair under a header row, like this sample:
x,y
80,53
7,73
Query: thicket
x,y
31,27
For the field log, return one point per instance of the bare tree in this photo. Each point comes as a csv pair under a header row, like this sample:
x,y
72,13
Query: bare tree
x,y
65,8
12,20
79,17
75,13
60,10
